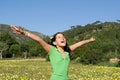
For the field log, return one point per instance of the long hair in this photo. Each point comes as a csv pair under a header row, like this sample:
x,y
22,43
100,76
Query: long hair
x,y
66,48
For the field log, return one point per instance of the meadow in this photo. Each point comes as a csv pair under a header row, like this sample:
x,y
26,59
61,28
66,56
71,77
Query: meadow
x,y
40,69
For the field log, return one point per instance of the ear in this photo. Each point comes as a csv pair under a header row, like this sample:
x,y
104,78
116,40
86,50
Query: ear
x,y
54,43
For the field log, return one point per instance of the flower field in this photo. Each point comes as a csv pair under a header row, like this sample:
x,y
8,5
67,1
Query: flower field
x,y
39,69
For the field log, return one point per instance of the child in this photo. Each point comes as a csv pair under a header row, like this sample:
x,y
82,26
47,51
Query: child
x,y
58,51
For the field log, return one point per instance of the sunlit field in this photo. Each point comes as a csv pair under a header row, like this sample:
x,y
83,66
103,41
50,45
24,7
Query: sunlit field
x,y
40,69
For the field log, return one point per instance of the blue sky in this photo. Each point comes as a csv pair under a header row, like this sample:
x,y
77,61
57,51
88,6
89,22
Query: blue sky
x,y
51,16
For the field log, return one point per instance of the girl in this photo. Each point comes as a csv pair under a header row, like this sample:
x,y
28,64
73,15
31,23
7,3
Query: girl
x,y
58,51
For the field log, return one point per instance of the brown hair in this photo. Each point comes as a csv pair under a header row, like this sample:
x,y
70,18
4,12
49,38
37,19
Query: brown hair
x,y
66,48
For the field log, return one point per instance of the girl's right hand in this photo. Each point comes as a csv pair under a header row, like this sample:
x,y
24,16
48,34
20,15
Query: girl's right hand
x,y
17,30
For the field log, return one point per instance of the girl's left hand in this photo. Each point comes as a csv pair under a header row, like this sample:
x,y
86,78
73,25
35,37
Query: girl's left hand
x,y
92,39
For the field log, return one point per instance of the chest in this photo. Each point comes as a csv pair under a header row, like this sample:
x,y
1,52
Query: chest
x,y
59,57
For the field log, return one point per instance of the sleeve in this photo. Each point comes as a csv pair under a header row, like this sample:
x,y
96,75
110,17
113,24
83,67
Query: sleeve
x,y
51,50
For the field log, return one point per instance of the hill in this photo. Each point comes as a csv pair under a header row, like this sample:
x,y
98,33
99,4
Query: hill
x,y
106,46
13,45
6,28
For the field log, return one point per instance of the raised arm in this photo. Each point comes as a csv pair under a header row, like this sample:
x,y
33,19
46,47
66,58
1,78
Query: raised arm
x,y
78,44
36,38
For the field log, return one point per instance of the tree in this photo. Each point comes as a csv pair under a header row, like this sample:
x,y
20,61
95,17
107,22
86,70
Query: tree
x,y
96,22
6,37
15,50
3,47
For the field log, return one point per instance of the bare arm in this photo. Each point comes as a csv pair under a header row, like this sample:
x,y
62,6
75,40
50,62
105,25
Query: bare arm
x,y
78,44
36,38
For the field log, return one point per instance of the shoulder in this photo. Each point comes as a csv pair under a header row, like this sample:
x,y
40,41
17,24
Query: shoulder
x,y
52,49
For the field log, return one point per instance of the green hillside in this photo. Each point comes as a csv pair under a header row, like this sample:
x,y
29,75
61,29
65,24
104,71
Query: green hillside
x,y
6,28
106,46
13,45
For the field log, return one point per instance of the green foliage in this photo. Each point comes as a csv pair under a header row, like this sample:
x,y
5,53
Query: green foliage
x,y
7,38
106,46
19,45
3,48
25,46
15,50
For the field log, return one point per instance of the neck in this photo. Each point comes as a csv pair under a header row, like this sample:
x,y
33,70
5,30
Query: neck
x,y
61,49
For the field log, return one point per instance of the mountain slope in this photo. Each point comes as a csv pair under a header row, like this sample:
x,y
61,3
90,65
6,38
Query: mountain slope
x,y
6,28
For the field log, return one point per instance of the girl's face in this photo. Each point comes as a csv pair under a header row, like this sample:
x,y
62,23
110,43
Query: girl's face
x,y
60,40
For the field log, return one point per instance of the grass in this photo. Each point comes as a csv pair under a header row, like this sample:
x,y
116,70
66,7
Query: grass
x,y
39,69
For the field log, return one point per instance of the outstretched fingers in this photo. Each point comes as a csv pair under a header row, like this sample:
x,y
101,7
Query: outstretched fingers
x,y
15,29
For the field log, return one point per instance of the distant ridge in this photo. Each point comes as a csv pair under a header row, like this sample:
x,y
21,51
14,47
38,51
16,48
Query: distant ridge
x,y
6,28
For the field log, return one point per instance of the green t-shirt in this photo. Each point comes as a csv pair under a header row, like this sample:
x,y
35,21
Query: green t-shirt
x,y
59,64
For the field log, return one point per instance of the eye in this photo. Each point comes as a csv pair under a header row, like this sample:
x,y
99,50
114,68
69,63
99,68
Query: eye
x,y
59,37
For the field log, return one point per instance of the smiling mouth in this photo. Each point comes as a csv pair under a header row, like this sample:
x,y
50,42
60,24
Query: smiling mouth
x,y
62,41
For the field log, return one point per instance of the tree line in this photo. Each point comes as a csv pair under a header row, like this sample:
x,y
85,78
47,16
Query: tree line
x,y
18,46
